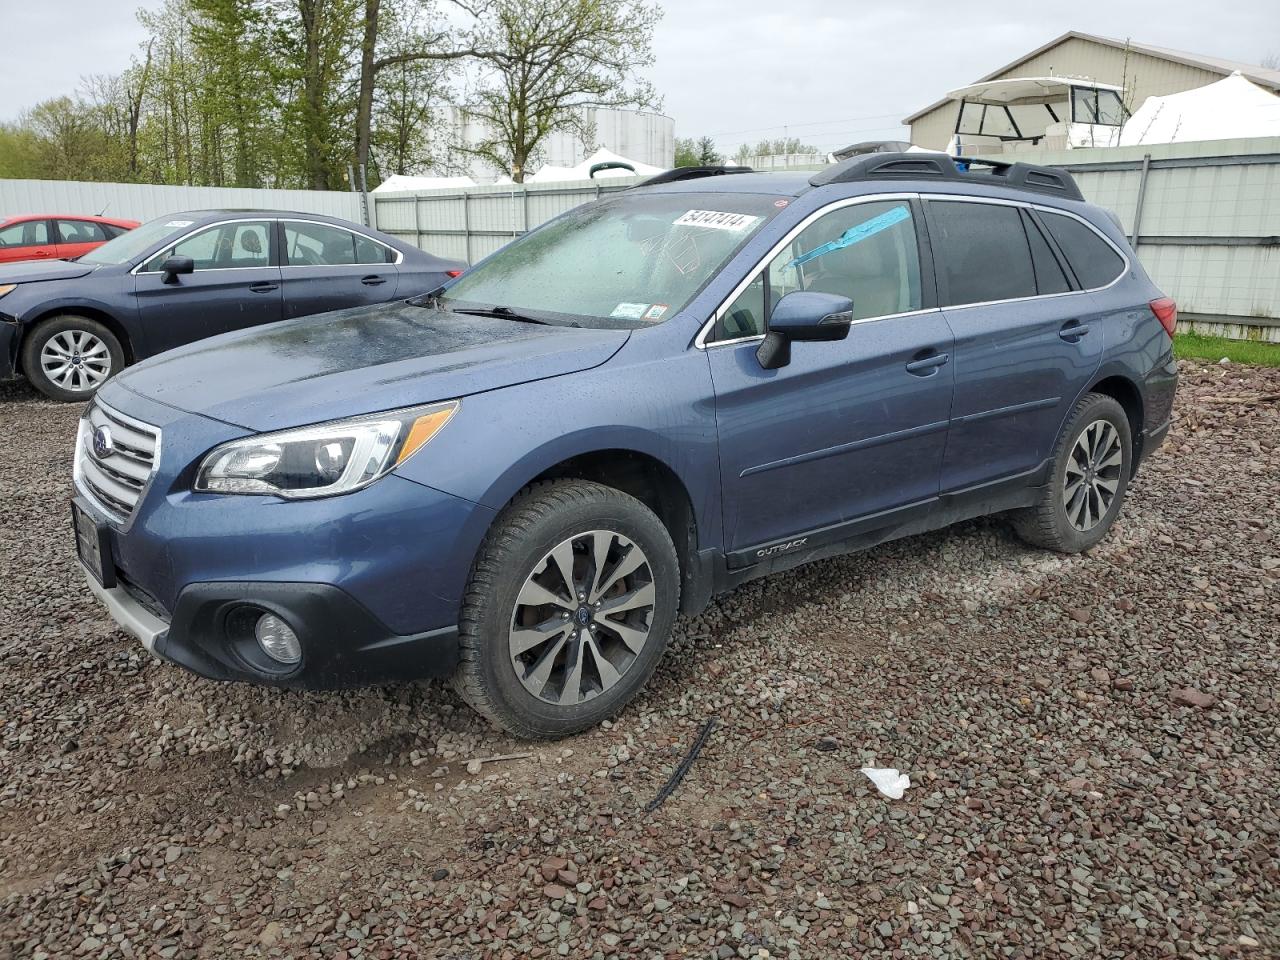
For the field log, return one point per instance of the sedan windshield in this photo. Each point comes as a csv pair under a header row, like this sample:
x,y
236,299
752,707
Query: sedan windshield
x,y
129,246
627,261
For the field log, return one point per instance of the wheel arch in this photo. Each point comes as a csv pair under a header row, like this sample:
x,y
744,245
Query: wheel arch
x,y
1125,392
650,480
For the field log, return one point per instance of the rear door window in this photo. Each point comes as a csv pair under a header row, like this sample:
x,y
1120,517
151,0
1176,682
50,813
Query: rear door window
x,y
80,231
323,245
1095,262
981,252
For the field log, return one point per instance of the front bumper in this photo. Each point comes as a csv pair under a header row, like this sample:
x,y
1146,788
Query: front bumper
x,y
372,582
344,645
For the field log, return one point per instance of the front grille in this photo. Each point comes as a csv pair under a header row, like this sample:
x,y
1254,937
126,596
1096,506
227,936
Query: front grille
x,y
116,479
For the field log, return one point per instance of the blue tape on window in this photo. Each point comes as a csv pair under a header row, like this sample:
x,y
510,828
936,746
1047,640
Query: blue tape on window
x,y
854,235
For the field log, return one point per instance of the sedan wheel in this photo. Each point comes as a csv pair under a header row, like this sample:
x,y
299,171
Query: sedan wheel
x,y
76,360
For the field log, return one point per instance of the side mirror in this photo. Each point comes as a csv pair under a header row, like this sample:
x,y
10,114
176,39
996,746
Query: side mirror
x,y
803,315
174,266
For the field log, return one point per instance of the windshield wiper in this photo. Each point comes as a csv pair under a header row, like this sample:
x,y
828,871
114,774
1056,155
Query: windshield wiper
x,y
506,313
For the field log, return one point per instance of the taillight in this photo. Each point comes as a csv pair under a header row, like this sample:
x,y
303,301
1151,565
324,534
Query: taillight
x,y
1166,312
457,273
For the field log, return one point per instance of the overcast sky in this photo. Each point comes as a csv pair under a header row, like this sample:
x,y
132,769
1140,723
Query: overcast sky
x,y
830,71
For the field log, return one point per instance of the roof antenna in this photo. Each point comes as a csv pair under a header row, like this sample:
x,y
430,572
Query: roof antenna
x,y
104,208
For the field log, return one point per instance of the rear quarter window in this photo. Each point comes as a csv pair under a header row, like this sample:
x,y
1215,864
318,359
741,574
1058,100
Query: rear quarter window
x,y
1095,262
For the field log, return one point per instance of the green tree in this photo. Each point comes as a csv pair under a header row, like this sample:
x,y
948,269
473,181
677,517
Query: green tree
x,y
551,60
701,152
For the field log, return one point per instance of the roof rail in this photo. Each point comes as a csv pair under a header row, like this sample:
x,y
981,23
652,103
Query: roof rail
x,y
677,174
922,166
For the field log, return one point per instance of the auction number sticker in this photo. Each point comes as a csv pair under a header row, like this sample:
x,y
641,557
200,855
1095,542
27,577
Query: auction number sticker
x,y
716,220
629,311
179,223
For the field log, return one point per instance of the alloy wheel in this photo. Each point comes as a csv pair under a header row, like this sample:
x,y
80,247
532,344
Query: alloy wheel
x,y
76,360
582,617
1092,476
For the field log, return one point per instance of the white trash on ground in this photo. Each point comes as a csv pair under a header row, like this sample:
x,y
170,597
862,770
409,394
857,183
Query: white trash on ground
x,y
888,781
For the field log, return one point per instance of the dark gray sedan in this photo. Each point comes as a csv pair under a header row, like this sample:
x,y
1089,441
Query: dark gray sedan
x,y
68,326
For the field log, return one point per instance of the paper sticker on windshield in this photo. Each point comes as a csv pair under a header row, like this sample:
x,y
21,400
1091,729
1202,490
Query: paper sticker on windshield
x,y
716,220
629,311
656,311
179,223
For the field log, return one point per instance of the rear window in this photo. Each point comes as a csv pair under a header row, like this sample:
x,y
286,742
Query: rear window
x,y
1094,261
982,252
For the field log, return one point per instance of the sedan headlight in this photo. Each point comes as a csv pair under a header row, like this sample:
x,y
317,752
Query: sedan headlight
x,y
324,459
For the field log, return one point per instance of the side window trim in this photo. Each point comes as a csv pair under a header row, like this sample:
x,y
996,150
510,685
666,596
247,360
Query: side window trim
x,y
703,339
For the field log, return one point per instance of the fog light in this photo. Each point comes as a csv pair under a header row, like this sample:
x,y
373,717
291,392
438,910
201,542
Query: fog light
x,y
277,639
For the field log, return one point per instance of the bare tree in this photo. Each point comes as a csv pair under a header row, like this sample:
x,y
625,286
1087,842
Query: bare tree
x,y
551,61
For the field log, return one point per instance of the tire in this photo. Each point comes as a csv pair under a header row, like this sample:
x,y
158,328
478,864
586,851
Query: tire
x,y
1072,524
519,651
91,352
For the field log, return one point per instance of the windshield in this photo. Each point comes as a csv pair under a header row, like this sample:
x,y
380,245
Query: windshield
x,y
628,261
129,246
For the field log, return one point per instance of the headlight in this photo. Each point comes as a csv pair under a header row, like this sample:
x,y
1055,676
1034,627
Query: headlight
x,y
321,460
7,288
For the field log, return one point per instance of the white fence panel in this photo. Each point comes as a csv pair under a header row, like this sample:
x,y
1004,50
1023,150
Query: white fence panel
x,y
143,201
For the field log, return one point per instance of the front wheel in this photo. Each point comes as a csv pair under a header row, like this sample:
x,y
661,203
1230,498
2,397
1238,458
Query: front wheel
x,y
70,357
568,610
1088,479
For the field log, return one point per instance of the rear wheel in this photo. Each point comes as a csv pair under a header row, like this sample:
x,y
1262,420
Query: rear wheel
x,y
1087,482
70,357
568,609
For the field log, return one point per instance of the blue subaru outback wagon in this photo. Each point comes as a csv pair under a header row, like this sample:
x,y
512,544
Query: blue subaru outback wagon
x,y
520,480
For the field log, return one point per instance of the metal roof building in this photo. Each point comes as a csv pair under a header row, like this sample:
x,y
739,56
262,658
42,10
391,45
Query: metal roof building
x,y
1143,71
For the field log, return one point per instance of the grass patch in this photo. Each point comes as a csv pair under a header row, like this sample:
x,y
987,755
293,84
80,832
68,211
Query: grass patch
x,y
1190,346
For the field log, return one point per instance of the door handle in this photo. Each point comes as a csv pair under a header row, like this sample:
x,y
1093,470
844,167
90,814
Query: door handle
x,y
372,281
1073,330
41,253
263,287
927,366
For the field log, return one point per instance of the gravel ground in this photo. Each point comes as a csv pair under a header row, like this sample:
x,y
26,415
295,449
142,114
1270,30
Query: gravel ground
x,y
1092,745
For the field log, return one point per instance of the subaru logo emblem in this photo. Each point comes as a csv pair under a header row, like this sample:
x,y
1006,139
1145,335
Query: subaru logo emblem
x,y
103,445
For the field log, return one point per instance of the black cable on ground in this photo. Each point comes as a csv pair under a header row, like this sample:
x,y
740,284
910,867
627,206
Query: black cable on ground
x,y
683,769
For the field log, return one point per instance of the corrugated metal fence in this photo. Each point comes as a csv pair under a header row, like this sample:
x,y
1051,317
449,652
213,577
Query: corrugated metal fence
x,y
142,201
470,224
1205,219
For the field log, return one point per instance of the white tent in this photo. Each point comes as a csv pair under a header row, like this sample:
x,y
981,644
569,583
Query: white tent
x,y
399,182
1231,108
582,171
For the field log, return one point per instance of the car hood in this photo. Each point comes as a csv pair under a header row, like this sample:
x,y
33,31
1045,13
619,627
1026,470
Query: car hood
x,y
31,271
360,361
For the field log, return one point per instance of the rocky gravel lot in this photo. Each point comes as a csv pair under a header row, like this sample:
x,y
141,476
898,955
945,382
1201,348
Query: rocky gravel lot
x,y
1092,745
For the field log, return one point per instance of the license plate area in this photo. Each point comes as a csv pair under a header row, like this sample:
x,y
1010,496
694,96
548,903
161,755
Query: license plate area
x,y
93,546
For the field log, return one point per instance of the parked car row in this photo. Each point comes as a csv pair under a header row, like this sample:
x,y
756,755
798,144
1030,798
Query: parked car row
x,y
520,480
69,325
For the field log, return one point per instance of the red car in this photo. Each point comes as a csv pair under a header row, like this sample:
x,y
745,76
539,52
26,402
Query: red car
x,y
49,237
